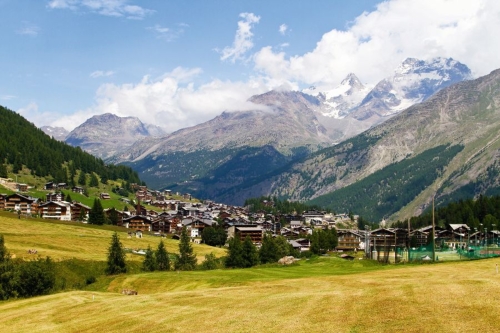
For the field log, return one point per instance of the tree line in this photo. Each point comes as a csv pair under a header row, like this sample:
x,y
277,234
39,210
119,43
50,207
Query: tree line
x,y
483,212
245,254
19,278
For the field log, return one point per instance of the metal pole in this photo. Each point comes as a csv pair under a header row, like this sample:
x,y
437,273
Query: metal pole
x,y
433,233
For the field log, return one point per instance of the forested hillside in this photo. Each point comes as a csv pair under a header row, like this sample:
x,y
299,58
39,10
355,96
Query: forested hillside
x,y
23,144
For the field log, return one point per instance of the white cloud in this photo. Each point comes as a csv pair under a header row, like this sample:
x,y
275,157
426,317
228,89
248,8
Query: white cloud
x,y
116,8
97,74
168,34
172,101
376,42
28,29
34,115
283,28
243,40
372,46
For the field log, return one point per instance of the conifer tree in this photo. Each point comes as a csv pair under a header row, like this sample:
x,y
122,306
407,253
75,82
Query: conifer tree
x,y
116,257
96,215
94,182
162,258
249,254
149,263
113,216
187,259
268,251
3,170
235,252
82,179
83,215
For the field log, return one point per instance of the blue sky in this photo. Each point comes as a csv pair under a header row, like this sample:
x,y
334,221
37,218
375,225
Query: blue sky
x,y
179,63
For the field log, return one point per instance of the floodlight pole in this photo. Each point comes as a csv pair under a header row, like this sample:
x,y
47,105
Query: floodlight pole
x,y
433,233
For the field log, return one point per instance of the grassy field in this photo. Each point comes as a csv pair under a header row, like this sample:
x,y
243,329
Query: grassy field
x,y
323,295
66,240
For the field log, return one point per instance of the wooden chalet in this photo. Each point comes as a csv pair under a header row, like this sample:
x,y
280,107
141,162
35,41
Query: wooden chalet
x,y
3,197
22,187
18,202
56,210
350,240
256,233
54,196
76,211
138,223
78,189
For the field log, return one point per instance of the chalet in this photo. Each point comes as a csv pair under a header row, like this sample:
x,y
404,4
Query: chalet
x,y
189,211
49,186
313,215
55,210
295,245
22,187
104,196
305,244
196,225
256,233
350,240
138,223
78,189
76,211
3,197
121,215
419,238
54,196
62,186
18,202
294,224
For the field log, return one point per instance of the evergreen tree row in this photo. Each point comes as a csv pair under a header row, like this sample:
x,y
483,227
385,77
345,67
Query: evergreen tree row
x,y
273,205
481,213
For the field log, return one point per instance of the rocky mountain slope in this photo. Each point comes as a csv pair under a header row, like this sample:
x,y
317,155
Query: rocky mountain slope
x,y
104,135
283,127
58,133
449,144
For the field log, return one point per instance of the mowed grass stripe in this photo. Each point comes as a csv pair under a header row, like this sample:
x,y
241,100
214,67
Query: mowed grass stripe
x,y
447,297
75,240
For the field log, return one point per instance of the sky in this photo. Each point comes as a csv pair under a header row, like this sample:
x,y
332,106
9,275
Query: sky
x,y
176,64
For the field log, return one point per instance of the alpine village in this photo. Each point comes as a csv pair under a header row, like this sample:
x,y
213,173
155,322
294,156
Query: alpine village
x,y
359,208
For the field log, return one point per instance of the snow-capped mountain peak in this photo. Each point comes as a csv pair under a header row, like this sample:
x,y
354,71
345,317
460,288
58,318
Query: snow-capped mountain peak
x,y
337,101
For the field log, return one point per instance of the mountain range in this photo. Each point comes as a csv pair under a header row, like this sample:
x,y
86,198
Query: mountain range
x,y
299,145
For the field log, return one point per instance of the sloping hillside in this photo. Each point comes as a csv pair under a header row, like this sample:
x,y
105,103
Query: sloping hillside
x,y
466,114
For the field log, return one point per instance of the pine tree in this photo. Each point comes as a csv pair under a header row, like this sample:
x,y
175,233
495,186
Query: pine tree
x,y
94,182
187,259
162,258
83,215
249,254
149,263
96,215
3,170
68,198
268,251
235,252
116,257
82,179
113,216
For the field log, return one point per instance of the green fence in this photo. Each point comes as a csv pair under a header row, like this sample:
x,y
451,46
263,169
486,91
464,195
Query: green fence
x,y
424,253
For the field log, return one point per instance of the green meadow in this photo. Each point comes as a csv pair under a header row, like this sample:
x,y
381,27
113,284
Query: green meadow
x,y
326,294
